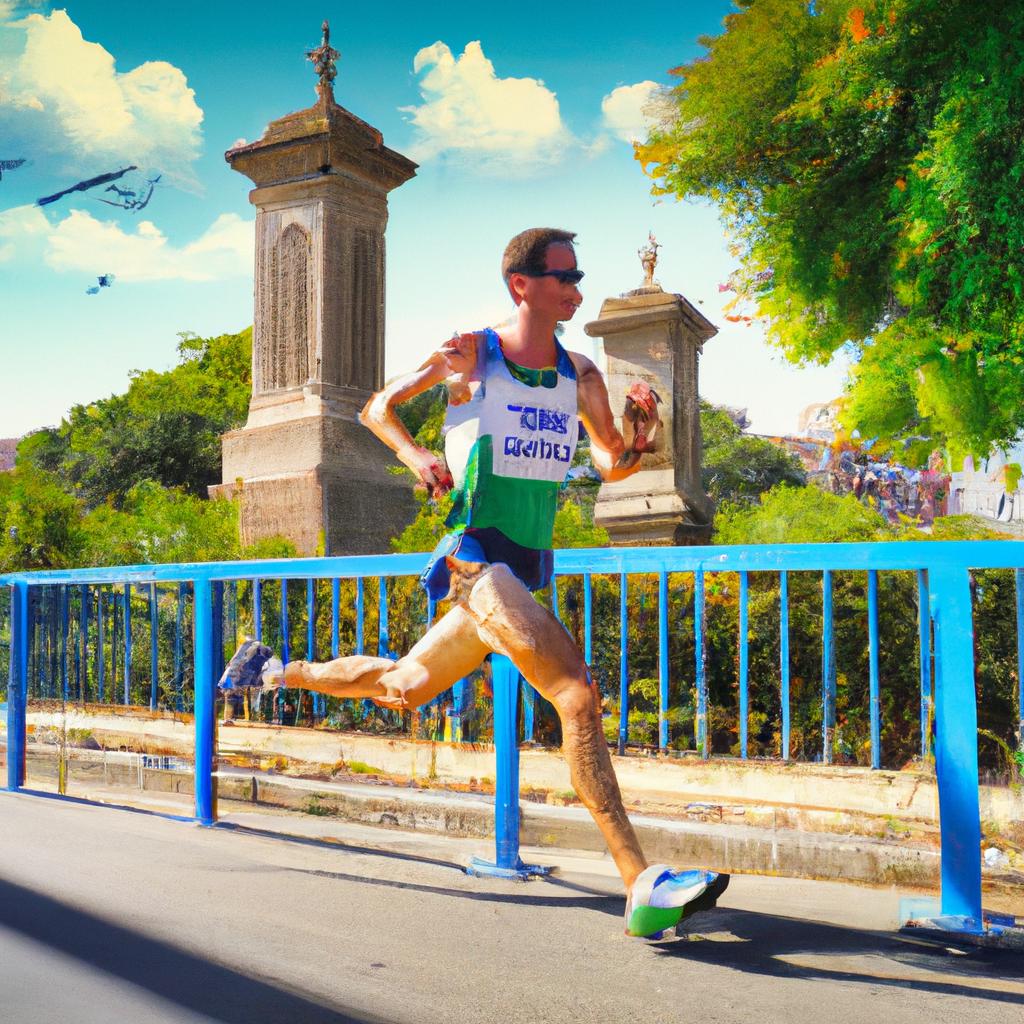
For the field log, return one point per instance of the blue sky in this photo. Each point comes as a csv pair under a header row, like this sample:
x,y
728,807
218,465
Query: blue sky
x,y
519,115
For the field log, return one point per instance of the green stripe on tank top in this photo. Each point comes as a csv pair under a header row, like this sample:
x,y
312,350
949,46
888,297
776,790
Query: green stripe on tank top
x,y
524,510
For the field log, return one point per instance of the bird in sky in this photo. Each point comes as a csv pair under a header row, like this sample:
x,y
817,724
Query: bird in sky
x,y
9,165
105,281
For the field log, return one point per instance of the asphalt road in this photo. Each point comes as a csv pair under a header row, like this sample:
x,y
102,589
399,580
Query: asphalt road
x,y
113,915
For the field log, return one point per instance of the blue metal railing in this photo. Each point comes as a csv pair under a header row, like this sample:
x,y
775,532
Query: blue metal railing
x,y
945,631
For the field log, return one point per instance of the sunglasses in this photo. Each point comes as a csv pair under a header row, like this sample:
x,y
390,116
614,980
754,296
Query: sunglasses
x,y
561,276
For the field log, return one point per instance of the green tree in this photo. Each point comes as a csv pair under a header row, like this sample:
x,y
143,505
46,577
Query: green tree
x,y
41,523
738,467
867,158
157,524
800,515
166,427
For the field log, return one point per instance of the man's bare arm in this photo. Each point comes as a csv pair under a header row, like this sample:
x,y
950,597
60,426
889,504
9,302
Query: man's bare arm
x,y
613,458
455,359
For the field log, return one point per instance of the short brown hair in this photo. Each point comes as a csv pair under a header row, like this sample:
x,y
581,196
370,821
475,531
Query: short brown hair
x,y
526,253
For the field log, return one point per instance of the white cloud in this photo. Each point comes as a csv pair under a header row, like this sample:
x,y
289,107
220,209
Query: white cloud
x,y
65,95
81,242
507,124
630,111
18,225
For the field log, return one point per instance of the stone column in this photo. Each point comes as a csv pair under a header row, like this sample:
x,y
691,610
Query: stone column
x,y
656,336
302,465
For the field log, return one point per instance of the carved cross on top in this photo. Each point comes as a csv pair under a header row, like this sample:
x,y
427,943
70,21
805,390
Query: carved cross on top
x,y
324,58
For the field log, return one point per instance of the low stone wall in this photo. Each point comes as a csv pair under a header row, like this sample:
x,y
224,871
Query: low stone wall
x,y
794,794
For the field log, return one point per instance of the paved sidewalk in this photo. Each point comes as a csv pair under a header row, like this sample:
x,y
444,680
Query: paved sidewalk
x,y
109,914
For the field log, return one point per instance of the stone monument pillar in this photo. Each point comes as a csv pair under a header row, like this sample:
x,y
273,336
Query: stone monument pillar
x,y
302,465
656,336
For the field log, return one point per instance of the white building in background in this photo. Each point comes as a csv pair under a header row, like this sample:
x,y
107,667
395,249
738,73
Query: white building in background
x,y
992,491
819,421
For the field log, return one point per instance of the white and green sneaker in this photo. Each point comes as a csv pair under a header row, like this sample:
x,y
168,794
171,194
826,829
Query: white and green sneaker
x,y
660,898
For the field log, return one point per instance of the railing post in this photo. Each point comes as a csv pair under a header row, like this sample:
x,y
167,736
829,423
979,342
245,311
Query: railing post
x,y
202,622
17,686
286,654
507,863
310,646
588,624
179,651
65,627
505,683
1019,580
335,617
127,644
744,663
784,663
956,744
874,698
101,661
83,637
623,664
360,615
217,596
663,679
828,671
257,609
701,722
529,711
924,637
154,647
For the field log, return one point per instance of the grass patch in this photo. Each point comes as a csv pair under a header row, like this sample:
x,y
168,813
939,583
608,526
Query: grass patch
x,y
316,808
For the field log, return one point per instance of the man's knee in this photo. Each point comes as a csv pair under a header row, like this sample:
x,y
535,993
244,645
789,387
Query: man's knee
x,y
576,701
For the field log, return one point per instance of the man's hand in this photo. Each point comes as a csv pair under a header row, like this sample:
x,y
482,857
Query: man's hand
x,y
430,471
640,419
394,699
459,354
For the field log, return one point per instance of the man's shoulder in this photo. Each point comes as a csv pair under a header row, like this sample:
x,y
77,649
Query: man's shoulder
x,y
584,366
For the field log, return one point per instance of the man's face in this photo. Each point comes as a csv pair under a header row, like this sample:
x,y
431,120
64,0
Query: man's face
x,y
547,295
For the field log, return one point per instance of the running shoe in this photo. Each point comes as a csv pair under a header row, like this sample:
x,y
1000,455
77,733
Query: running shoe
x,y
245,669
660,898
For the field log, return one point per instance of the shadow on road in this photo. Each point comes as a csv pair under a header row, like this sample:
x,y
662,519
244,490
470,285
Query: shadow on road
x,y
601,902
335,844
593,898
166,971
784,947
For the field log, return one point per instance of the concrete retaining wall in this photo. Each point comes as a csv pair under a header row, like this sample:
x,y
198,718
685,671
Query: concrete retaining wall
x,y
650,784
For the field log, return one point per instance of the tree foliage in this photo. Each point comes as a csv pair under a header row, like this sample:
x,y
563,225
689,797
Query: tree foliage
x,y
800,515
739,467
867,158
166,427
123,481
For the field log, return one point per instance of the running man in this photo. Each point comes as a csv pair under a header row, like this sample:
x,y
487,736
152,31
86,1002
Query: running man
x,y
515,403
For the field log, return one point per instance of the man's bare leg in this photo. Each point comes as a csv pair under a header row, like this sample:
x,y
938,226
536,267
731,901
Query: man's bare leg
x,y
447,652
497,613
510,622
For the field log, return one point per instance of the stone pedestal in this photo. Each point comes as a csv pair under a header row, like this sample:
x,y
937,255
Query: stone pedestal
x,y
303,466
656,336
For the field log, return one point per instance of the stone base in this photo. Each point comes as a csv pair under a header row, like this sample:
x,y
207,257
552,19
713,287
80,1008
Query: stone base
x,y
321,481
642,511
322,512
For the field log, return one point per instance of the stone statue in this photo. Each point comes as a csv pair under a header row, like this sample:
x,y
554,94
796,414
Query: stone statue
x,y
649,259
324,58
510,434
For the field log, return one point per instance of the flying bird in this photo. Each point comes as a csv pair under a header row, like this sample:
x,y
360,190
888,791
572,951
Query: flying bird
x,y
9,165
83,186
105,281
129,198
